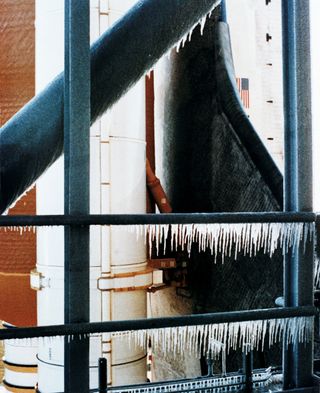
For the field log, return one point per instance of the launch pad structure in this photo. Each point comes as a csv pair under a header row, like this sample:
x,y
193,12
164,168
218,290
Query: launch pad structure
x,y
298,359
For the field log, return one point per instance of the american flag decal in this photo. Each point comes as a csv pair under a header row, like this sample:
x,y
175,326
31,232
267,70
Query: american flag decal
x,y
243,87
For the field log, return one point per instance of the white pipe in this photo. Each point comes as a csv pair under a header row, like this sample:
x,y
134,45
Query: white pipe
x,y
123,190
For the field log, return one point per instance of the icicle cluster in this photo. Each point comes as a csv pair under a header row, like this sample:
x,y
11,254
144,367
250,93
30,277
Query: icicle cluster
x,y
317,272
201,22
20,229
212,341
187,36
50,340
218,339
227,239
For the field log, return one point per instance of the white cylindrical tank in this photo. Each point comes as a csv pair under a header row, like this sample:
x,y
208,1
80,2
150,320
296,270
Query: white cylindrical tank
x,y
51,311
118,265
48,279
20,364
50,364
127,157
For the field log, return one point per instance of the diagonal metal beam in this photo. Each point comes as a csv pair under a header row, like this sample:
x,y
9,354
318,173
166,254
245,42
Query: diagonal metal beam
x,y
33,139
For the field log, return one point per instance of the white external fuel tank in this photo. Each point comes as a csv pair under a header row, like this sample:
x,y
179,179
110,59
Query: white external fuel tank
x,y
125,276
51,351
118,264
20,364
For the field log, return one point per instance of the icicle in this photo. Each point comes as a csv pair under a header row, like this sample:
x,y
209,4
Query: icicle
x,y
202,24
317,272
218,339
188,35
183,40
20,229
23,342
227,239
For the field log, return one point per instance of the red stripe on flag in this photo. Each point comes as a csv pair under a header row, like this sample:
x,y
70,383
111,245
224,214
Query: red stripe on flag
x,y
243,87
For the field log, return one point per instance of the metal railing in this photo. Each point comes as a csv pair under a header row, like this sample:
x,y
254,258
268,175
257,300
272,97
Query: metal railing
x,y
145,219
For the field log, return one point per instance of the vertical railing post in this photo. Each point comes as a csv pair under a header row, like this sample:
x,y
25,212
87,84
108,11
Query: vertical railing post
x,y
102,367
298,264
247,367
76,150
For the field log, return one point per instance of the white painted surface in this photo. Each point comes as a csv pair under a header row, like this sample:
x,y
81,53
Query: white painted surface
x,y
51,296
260,61
21,352
122,190
51,361
50,312
252,53
117,185
49,63
51,376
128,191
20,378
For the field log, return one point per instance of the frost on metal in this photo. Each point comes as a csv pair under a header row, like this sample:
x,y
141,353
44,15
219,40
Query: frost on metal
x,y
228,240
187,36
19,199
201,23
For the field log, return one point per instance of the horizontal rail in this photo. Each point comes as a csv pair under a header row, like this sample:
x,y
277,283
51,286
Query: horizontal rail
x,y
172,218
154,323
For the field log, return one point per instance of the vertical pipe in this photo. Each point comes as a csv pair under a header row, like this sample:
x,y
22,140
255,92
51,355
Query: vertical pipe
x,y
76,149
210,367
298,265
247,367
102,366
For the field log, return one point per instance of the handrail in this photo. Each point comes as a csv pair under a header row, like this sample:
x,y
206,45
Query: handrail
x,y
172,218
155,323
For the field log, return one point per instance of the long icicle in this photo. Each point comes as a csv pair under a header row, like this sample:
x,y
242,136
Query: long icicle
x,y
228,239
215,340
218,339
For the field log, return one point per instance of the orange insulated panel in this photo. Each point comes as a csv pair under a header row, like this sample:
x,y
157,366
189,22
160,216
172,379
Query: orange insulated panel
x,y
18,300
16,55
17,75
